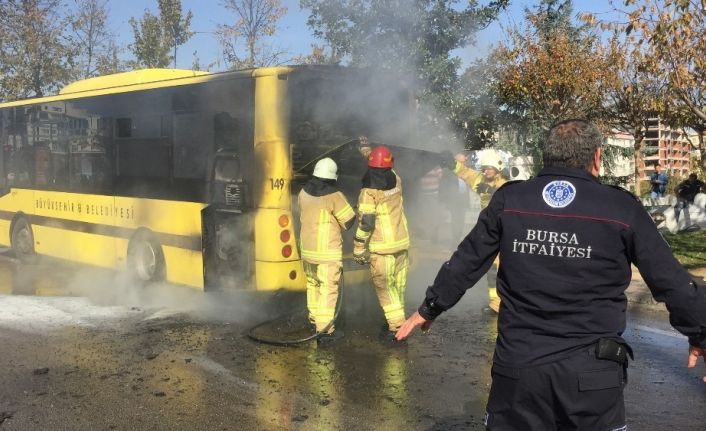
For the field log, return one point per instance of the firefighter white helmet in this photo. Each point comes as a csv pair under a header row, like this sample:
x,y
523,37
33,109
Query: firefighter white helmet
x,y
491,158
326,168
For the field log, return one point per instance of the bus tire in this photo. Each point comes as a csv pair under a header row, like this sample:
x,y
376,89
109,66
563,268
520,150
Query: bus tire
x,y
145,259
22,241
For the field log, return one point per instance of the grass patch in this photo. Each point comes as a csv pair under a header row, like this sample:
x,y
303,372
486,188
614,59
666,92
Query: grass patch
x,y
688,247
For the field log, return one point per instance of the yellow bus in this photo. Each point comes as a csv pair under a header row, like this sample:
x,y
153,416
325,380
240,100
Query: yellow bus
x,y
184,176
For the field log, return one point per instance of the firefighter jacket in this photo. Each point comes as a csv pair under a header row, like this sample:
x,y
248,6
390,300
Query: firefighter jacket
x,y
566,245
476,182
324,212
381,220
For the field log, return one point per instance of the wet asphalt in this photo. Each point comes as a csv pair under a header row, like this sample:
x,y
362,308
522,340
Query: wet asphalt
x,y
168,359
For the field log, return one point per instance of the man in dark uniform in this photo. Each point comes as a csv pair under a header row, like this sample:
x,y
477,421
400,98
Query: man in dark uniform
x,y
566,244
686,193
689,188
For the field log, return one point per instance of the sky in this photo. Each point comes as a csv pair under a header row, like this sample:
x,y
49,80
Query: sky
x,y
294,36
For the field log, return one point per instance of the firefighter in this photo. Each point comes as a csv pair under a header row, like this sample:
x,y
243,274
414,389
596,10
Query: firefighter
x,y
568,243
324,213
382,239
484,183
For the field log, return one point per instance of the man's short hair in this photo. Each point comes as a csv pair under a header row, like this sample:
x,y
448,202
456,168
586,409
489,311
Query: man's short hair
x,y
572,144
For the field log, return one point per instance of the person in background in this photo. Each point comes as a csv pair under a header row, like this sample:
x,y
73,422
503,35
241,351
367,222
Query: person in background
x,y
484,182
658,181
689,188
427,208
567,244
686,192
454,194
324,214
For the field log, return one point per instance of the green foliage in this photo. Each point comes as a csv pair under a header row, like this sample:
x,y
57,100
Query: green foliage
x,y
688,247
548,71
149,47
612,156
155,36
176,25
672,184
672,33
110,61
35,58
411,38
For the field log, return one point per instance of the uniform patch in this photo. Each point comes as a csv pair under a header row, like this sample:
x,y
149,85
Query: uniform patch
x,y
559,194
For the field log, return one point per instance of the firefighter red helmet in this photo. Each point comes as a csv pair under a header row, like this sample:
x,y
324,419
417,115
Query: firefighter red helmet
x,y
380,157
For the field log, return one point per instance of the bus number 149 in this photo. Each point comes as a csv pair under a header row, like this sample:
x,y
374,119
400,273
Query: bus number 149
x,y
277,183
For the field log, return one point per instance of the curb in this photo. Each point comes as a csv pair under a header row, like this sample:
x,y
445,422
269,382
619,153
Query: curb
x,y
639,294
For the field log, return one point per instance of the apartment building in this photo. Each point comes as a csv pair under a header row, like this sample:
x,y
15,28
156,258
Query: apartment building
x,y
667,147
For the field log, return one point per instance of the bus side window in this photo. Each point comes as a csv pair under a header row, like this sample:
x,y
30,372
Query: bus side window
x,y
123,127
226,131
193,142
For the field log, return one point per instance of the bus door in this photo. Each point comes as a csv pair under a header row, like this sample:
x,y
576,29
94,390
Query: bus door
x,y
227,226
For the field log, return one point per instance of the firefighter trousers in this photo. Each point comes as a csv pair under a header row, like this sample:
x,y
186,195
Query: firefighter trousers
x,y
492,277
389,273
322,283
581,393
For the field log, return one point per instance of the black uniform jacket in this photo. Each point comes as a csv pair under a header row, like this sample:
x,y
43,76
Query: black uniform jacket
x,y
566,245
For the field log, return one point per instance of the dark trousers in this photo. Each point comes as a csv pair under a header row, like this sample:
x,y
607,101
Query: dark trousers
x,y
576,393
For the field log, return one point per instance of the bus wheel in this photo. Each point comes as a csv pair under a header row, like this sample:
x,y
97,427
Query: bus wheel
x,y
145,258
22,241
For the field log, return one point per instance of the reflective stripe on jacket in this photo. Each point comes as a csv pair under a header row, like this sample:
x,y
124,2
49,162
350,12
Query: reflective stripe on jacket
x,y
389,234
322,219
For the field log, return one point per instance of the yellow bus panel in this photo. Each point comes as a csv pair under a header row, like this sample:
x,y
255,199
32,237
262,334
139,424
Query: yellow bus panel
x,y
5,232
92,249
184,266
278,275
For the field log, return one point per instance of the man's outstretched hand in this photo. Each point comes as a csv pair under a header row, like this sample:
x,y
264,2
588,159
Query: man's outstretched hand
x,y
414,321
694,353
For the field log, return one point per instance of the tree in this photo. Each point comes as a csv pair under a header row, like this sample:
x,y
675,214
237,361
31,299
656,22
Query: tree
x,y
632,90
155,36
550,70
94,42
479,106
255,20
175,24
673,30
35,58
110,62
149,47
319,55
413,39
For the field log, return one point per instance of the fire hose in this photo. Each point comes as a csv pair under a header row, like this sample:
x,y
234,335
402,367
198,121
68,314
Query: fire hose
x,y
332,150
288,317
292,342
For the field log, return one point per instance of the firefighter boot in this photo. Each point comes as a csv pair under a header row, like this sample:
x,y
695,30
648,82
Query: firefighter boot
x,y
329,337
